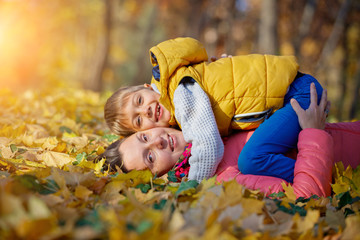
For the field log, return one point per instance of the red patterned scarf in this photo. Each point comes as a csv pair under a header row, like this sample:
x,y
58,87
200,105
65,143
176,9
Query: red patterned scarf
x,y
182,166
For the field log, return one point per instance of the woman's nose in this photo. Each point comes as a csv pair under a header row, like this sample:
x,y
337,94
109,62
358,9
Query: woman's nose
x,y
158,142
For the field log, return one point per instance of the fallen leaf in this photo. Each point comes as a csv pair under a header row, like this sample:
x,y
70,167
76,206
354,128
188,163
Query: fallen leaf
x,y
82,192
55,159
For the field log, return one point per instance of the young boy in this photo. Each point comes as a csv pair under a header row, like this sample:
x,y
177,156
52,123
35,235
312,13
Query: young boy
x,y
211,99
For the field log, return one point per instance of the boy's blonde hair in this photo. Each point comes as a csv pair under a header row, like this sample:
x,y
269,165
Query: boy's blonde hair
x,y
114,110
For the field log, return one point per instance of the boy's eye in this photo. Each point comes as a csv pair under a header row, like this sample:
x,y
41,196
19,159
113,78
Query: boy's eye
x,y
140,100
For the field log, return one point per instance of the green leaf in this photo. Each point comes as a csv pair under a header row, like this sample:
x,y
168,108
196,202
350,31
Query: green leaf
x,y
171,176
49,187
348,211
79,158
65,129
111,137
160,205
344,199
277,195
93,220
143,226
32,183
13,148
187,188
292,210
144,187
29,181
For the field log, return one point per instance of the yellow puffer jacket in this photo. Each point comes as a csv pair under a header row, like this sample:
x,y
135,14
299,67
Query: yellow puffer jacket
x,y
241,89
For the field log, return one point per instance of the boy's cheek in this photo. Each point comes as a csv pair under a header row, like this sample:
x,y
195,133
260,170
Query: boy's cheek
x,y
166,117
162,123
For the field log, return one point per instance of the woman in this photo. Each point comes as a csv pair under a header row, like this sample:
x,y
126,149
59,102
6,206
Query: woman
x,y
159,149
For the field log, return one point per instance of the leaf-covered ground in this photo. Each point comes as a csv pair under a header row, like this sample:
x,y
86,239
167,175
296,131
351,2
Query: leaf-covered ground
x,y
51,189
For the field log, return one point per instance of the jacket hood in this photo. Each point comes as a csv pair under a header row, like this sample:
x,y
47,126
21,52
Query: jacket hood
x,y
167,57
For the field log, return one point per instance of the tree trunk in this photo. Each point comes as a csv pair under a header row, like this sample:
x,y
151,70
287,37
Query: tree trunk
x,y
307,17
335,34
268,27
355,101
343,84
142,76
96,83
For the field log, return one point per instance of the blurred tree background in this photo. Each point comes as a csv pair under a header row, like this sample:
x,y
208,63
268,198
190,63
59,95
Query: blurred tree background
x,y
103,44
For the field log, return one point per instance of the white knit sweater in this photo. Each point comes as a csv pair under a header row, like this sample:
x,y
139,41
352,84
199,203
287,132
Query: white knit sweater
x,y
194,113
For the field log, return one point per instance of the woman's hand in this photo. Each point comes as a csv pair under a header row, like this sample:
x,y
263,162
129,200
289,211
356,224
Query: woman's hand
x,y
224,55
315,115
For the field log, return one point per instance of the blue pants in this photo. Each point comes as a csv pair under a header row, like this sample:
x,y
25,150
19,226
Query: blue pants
x,y
263,153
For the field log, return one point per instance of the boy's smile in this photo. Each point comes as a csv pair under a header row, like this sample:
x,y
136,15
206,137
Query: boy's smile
x,y
159,112
144,110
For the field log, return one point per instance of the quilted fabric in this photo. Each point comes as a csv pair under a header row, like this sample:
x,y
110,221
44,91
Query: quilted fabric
x,y
237,85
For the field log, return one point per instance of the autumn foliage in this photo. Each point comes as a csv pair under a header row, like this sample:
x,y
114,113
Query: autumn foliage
x,y
50,187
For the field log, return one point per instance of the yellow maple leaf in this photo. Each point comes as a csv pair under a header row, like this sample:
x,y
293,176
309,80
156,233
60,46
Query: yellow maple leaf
x,y
34,164
96,166
252,206
177,221
134,178
55,159
289,191
232,194
6,152
112,192
60,181
28,140
100,150
308,222
72,138
340,187
36,131
37,208
50,143
206,184
82,192
352,230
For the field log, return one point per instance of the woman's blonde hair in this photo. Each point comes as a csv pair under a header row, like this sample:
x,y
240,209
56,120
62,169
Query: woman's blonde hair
x,y
114,114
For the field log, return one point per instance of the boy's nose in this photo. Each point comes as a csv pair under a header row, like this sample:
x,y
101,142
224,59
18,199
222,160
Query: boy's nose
x,y
147,111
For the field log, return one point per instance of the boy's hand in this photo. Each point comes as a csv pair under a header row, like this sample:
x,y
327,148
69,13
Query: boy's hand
x,y
315,115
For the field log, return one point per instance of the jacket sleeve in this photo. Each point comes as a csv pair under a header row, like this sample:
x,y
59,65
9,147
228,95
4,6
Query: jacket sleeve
x,y
194,113
346,137
314,163
312,173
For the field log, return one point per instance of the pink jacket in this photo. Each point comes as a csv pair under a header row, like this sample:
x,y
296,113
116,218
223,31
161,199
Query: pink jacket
x,y
317,152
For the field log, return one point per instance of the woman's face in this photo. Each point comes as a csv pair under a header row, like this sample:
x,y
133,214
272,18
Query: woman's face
x,y
157,149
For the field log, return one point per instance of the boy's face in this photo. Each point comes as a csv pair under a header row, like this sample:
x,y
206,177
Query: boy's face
x,y
144,111
156,149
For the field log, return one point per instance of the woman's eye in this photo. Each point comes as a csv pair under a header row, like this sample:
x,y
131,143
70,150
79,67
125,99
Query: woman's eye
x,y
150,157
139,100
145,138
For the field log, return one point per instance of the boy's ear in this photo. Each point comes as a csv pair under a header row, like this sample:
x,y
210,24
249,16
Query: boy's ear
x,y
148,86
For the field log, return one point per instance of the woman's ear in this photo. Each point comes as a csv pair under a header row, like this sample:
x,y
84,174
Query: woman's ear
x,y
148,86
